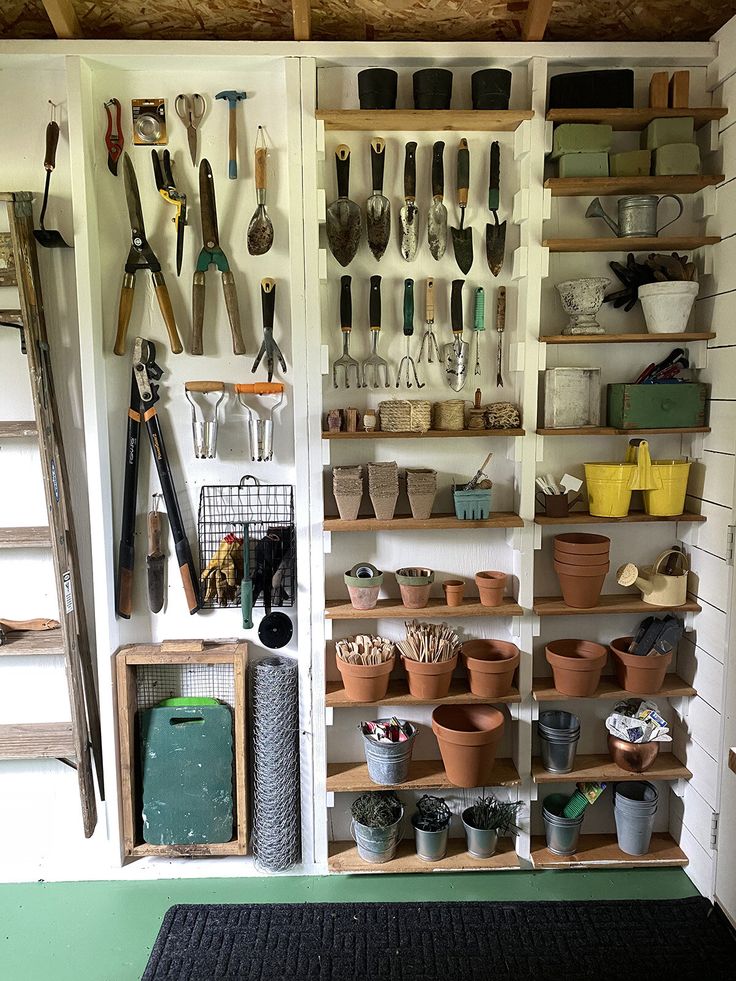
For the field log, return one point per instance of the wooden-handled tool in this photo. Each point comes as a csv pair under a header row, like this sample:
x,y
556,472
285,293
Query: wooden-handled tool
x,y
155,560
233,98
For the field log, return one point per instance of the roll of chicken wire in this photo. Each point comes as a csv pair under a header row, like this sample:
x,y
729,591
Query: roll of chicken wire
x,y
274,710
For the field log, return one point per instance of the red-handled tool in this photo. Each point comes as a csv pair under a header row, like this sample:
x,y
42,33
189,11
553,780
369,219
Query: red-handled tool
x,y
113,136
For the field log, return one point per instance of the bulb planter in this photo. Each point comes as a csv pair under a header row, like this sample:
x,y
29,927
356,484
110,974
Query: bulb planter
x,y
667,306
415,586
365,682
576,666
491,587
429,680
468,737
491,665
635,674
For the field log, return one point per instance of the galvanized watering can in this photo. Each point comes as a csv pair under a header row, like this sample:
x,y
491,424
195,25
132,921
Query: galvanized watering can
x,y
637,215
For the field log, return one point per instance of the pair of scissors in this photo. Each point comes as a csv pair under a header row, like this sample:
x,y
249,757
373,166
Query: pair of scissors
x,y
190,109
168,191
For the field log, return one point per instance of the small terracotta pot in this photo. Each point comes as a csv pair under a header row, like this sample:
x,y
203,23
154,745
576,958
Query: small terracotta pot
x,y
634,757
576,666
581,589
580,543
491,587
454,590
415,586
468,736
490,665
365,682
429,680
639,675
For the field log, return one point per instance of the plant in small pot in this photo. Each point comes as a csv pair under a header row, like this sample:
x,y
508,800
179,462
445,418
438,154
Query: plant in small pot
x,y
431,822
365,663
666,285
364,583
377,817
429,653
485,820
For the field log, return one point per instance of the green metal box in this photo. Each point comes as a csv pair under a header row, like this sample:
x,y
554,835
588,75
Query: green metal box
x,y
676,406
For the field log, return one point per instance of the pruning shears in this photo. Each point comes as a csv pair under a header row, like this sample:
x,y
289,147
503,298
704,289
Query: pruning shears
x,y
113,136
168,191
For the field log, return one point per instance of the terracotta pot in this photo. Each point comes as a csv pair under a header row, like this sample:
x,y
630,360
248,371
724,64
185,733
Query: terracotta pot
x,y
468,736
429,679
639,675
576,666
490,665
363,589
454,590
580,543
584,559
365,682
581,590
600,568
491,587
634,757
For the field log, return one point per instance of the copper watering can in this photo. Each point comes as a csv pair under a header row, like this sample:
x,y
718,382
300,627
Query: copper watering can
x,y
637,215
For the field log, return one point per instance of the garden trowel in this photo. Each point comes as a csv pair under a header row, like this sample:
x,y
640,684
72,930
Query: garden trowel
x,y
456,352
462,237
409,214
378,207
496,232
437,217
343,215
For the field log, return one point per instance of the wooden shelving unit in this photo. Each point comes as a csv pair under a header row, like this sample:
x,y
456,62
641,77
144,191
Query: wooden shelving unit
x,y
564,187
602,851
431,434
611,431
438,522
398,694
343,857
642,338
674,243
391,608
424,120
553,606
29,643
635,119
350,778
543,690
633,517
37,740
25,537
599,768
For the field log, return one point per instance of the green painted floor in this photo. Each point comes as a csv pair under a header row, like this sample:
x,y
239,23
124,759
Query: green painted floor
x,y
104,931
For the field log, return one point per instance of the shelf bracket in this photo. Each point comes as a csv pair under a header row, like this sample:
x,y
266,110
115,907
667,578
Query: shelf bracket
x,y
517,356
328,629
539,457
327,542
548,133
708,200
330,799
546,204
544,262
679,788
520,211
325,453
522,139
514,450
516,626
320,139
536,624
537,537
533,790
521,262
535,710
513,537
514,711
321,205
697,441
329,715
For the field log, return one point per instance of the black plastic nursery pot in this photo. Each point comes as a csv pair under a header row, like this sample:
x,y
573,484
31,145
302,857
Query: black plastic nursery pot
x,y
491,88
432,88
377,88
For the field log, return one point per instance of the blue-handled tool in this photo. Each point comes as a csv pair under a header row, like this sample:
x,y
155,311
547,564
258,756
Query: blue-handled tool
x,y
233,97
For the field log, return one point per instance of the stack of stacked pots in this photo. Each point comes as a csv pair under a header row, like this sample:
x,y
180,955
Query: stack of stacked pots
x,y
347,486
421,489
581,564
636,674
634,808
383,488
468,737
559,733
562,833
576,666
491,665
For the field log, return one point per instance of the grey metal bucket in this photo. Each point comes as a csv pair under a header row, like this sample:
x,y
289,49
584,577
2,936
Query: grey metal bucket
x,y
378,845
559,733
482,842
388,763
562,833
634,809
431,845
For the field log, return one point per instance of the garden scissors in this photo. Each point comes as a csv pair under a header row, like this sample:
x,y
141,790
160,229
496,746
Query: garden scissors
x,y
167,190
190,109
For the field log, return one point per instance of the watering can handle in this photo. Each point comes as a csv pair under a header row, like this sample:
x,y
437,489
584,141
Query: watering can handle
x,y
682,206
670,551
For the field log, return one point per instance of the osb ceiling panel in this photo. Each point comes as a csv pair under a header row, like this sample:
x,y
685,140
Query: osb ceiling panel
x,y
382,20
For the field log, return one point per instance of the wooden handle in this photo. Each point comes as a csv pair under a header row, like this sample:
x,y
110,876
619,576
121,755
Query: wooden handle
x,y
197,312
204,386
184,646
261,157
167,312
125,307
125,593
189,588
40,623
429,299
233,313
260,388
154,533
52,141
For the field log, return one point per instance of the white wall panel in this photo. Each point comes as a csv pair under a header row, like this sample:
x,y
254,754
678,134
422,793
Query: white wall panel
x,y
702,671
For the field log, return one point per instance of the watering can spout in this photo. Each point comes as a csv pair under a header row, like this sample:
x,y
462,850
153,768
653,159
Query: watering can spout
x,y
595,210
628,575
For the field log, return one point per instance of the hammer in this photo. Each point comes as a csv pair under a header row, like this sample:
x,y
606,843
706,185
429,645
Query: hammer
x,y
233,98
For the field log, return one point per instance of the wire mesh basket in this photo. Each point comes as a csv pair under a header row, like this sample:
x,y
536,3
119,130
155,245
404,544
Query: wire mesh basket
x,y
268,510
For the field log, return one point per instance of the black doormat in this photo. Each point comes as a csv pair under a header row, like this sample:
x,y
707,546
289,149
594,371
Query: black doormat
x,y
656,940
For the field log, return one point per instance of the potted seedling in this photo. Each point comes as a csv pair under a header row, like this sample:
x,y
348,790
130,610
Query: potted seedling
x,y
485,820
431,822
377,816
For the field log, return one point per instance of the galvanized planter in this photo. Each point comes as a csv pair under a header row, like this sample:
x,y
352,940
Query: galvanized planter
x,y
431,845
482,842
572,397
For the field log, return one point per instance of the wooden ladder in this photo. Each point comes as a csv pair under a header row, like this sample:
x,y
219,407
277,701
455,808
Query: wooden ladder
x,y
77,742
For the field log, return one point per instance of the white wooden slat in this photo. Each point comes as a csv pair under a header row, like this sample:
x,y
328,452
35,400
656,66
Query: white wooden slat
x,y
721,366
714,311
710,631
704,723
722,221
709,578
703,672
712,478
723,160
705,771
700,868
725,95
695,814
711,536
722,259
722,421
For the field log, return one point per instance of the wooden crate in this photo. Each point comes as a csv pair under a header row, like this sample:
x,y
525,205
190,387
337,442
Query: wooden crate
x,y
132,661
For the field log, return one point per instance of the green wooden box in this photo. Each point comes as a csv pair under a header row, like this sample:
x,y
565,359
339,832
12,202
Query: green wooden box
x,y
680,406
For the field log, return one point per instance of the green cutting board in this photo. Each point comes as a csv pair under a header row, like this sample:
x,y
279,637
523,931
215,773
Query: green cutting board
x,y
187,774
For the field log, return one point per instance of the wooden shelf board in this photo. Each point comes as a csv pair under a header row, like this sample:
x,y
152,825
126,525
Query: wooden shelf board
x,y
563,187
599,768
602,851
18,429
635,119
398,694
553,606
348,778
633,517
424,120
219,849
27,643
8,277
343,857
25,537
429,434
643,338
543,689
679,243
499,519
35,741
339,610
610,431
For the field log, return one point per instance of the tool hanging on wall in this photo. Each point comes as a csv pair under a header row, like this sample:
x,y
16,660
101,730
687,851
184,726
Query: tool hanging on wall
x,y
191,109
409,214
462,237
166,187
212,255
496,232
204,432
141,256
246,583
155,560
233,97
149,122
428,337
269,347
407,361
343,215
260,431
260,229
500,327
456,352
437,216
49,238
272,551
378,206
479,323
345,362
144,394
373,361
114,140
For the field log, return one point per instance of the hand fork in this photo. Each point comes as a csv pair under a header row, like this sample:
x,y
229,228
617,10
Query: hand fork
x,y
346,325
408,360
428,337
373,361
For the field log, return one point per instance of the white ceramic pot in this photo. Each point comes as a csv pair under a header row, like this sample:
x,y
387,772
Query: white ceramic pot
x,y
667,306
581,300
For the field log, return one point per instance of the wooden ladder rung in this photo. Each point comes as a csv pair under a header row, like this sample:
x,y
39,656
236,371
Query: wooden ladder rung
x,y
31,643
12,318
18,429
37,740
25,537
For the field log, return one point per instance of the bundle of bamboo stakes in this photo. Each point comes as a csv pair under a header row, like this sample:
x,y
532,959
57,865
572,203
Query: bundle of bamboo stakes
x,y
429,642
365,649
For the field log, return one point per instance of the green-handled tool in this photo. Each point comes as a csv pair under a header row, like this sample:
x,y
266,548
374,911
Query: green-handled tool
x,y
496,232
479,323
246,585
407,362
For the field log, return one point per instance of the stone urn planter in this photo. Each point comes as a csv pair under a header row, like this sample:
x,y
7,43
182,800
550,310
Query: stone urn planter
x,y
581,300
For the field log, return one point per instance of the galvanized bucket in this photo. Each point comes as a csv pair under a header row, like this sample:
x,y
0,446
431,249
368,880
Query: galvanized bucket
x,y
378,845
388,763
562,833
482,842
431,845
559,733
634,808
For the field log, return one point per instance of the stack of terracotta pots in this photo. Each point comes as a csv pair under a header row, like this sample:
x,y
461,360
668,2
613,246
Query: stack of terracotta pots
x,y
581,564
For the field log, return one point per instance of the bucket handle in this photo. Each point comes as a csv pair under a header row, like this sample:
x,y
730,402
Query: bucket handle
x,y
672,551
646,476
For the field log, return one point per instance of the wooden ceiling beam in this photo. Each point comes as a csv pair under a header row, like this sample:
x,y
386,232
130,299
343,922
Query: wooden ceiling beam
x,y
302,11
63,18
535,22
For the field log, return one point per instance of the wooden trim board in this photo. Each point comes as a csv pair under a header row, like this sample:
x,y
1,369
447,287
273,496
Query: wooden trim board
x,y
36,741
430,434
398,694
392,608
554,606
404,522
633,517
635,119
643,337
424,120
679,243
602,851
29,643
543,689
562,187
610,431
